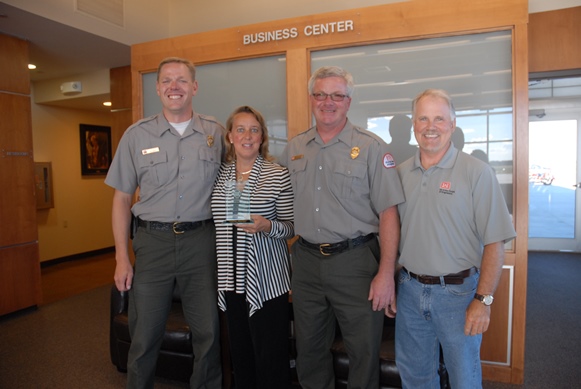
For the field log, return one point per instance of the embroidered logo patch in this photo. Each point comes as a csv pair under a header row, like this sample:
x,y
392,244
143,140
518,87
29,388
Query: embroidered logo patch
x,y
388,161
446,188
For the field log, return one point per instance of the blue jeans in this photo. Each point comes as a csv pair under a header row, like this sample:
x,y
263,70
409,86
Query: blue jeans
x,y
430,315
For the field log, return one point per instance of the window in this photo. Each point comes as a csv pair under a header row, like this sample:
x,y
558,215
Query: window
x,y
257,82
476,70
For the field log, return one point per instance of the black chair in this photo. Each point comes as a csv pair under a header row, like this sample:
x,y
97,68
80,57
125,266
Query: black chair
x,y
176,357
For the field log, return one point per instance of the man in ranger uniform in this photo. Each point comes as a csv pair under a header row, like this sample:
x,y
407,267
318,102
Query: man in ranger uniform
x,y
173,158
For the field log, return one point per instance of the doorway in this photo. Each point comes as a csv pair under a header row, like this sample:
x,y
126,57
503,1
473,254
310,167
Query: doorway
x,y
554,165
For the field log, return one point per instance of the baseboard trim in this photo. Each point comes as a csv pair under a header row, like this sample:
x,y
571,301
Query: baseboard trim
x,y
75,257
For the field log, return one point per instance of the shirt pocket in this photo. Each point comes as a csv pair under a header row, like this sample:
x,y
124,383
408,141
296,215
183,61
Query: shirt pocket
x,y
210,161
154,168
349,179
297,170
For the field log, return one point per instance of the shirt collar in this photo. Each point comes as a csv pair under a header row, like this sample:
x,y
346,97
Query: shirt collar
x,y
447,161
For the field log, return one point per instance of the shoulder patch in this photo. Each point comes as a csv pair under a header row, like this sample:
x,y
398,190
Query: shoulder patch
x,y
388,161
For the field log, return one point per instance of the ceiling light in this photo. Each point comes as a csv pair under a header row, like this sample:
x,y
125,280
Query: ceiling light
x,y
31,66
107,103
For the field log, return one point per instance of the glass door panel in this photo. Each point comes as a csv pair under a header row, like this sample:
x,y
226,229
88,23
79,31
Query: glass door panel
x,y
554,138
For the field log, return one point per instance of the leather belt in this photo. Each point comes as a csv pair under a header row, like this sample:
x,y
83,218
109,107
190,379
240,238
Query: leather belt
x,y
175,227
339,247
452,279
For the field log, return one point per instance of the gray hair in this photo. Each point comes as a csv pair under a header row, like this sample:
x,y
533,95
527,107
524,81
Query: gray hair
x,y
439,93
332,71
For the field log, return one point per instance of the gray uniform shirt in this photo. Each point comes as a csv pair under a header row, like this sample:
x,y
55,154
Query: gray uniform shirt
x,y
451,211
340,187
175,174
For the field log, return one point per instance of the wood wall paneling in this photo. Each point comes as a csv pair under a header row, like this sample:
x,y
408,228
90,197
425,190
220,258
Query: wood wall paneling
x,y
18,200
408,20
14,65
19,256
19,278
121,108
555,40
495,341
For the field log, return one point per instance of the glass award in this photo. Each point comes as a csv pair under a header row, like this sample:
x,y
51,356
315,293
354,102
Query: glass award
x,y
237,203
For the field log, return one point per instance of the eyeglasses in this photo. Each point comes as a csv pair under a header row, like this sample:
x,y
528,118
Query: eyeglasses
x,y
320,96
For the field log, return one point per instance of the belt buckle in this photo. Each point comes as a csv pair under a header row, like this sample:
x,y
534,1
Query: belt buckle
x,y
174,228
322,246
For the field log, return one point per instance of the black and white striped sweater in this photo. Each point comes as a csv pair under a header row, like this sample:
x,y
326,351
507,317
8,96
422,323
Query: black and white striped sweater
x,y
262,265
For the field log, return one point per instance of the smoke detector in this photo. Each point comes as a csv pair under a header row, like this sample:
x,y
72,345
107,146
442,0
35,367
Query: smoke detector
x,y
71,88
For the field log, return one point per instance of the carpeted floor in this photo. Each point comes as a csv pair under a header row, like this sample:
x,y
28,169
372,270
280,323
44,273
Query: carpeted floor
x,y
64,344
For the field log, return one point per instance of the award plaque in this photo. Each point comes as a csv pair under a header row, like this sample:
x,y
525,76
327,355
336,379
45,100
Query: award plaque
x,y
237,203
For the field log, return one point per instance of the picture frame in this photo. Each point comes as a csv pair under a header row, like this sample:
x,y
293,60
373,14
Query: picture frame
x,y
95,149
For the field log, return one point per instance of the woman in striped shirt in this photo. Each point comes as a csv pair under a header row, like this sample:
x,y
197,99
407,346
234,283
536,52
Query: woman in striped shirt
x,y
253,258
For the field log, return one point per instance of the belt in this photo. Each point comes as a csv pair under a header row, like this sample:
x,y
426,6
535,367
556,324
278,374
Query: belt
x,y
339,247
452,279
175,227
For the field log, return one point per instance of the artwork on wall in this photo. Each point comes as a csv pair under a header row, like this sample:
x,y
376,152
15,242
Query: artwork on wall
x,y
95,149
43,185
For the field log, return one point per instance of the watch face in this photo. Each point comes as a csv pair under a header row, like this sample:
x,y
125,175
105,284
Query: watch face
x,y
485,299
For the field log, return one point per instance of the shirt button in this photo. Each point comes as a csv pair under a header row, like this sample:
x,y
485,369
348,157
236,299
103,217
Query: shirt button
x,y
181,196
183,157
320,168
318,188
317,209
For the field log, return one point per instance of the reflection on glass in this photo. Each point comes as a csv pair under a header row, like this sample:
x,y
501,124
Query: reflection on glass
x,y
476,70
257,82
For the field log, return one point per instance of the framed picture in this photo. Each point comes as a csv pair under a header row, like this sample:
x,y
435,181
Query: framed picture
x,y
95,149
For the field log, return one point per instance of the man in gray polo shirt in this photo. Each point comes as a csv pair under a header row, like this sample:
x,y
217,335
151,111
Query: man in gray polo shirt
x,y
173,159
346,192
454,225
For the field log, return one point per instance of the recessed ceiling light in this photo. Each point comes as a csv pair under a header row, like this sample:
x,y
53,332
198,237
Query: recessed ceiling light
x,y
31,66
107,103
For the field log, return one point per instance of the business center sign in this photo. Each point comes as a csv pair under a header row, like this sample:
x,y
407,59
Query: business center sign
x,y
294,32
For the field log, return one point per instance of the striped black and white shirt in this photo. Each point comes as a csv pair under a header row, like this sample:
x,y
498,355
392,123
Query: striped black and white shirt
x,y
262,266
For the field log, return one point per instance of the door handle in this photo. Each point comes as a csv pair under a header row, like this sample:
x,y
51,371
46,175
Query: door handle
x,y
578,185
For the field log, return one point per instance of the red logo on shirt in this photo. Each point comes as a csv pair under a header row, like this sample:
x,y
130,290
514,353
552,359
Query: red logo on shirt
x,y
388,161
446,185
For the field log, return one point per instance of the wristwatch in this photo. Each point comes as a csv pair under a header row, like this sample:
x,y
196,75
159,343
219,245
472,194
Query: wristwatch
x,y
485,299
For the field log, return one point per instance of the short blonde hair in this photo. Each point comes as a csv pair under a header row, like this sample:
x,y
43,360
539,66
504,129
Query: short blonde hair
x,y
184,61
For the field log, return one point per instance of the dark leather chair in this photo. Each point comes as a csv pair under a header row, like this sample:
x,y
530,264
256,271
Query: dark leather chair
x,y
388,372
176,357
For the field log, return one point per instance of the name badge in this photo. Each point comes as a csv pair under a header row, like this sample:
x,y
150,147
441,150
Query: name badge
x,y
150,151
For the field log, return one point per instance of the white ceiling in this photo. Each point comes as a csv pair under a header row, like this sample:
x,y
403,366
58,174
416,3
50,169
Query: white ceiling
x,y
62,51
